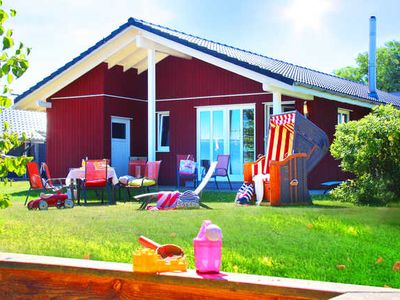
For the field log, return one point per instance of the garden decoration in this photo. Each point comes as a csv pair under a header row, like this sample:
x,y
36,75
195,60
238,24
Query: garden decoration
x,y
207,248
51,200
295,147
156,258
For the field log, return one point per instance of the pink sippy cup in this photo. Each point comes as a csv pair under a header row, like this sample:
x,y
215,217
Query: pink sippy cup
x,y
207,248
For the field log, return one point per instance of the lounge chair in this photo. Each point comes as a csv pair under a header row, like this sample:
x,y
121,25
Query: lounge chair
x,y
36,182
147,198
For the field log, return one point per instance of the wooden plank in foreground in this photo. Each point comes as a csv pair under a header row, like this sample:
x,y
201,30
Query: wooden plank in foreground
x,y
36,277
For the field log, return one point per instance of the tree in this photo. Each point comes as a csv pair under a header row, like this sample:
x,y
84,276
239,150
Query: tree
x,y
387,68
13,63
370,149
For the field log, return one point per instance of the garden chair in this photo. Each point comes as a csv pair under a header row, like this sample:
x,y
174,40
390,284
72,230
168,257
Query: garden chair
x,y
150,179
222,169
295,146
36,182
147,198
50,181
180,175
136,168
96,178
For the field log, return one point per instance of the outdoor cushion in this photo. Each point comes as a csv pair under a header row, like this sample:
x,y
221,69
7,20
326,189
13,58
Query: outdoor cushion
x,y
96,183
141,182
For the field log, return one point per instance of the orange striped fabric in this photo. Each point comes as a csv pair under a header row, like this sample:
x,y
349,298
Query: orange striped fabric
x,y
280,138
280,142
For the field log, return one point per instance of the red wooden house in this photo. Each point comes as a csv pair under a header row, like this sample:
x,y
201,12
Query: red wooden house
x,y
150,90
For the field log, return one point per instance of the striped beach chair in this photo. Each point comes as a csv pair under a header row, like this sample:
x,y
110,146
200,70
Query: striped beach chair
x,y
295,146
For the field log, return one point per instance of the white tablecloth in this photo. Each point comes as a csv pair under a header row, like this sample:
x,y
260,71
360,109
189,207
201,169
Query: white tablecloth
x,y
79,173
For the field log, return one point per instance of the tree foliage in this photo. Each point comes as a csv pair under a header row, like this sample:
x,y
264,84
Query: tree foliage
x,y
370,149
13,63
387,68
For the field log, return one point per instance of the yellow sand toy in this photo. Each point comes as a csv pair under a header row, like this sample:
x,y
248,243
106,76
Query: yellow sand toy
x,y
148,261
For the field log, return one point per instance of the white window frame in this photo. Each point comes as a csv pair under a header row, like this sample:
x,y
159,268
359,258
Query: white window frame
x,y
160,116
226,108
343,112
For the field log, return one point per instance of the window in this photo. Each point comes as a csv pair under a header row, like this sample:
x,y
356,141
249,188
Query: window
x,y
118,130
163,131
343,115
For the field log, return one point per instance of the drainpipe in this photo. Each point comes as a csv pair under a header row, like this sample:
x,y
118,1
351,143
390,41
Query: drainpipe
x,y
372,58
151,105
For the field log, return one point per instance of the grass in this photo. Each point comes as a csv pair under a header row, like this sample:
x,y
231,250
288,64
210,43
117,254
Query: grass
x,y
329,241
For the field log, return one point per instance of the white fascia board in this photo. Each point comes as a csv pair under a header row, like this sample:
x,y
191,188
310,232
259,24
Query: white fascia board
x,y
84,65
143,42
327,95
288,91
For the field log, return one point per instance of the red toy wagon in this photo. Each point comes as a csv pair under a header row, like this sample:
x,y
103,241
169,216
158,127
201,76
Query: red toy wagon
x,y
51,200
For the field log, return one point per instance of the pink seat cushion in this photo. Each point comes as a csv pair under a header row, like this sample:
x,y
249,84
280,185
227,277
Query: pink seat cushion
x,y
96,183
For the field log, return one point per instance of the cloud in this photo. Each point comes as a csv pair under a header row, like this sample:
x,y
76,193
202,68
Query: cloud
x,y
308,14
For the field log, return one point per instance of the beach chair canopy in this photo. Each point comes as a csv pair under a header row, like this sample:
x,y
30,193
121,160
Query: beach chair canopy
x,y
291,133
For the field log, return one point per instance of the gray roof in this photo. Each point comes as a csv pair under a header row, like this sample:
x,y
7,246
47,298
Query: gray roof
x,y
277,69
33,123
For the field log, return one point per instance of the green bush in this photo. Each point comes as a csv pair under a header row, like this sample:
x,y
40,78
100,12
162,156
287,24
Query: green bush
x,y
370,149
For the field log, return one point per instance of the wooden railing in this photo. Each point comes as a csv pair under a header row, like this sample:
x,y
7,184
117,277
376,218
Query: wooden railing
x,y
32,277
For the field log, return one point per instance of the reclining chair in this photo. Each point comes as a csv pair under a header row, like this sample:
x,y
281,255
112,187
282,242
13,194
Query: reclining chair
x,y
295,146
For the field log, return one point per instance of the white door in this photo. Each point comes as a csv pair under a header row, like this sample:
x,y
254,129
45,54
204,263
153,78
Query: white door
x,y
120,144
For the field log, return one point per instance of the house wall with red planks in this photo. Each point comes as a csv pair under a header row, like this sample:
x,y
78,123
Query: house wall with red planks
x,y
81,127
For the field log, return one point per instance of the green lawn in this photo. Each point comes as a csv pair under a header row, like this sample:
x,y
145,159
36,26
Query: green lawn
x,y
297,242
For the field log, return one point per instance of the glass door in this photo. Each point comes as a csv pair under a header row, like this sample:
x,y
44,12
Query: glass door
x,y
227,130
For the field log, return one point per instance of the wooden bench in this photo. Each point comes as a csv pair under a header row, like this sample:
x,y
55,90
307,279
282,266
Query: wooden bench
x,y
39,277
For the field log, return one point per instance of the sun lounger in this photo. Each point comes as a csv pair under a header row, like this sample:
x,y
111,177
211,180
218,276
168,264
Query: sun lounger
x,y
147,198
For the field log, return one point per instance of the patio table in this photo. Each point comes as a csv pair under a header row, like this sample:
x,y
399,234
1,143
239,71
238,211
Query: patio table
x,y
79,173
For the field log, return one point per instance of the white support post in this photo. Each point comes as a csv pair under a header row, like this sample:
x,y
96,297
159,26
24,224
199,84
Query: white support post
x,y
151,105
276,103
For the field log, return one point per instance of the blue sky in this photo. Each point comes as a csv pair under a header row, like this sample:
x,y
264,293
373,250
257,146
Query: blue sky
x,y
319,34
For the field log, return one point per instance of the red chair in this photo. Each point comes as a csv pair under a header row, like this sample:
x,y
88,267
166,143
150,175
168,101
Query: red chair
x,y
35,180
222,169
136,168
192,177
96,178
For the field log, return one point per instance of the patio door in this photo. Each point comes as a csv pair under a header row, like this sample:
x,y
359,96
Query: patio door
x,y
120,144
227,130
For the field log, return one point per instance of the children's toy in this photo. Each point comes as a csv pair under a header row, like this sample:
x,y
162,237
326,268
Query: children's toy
x,y
164,251
148,261
207,248
245,194
50,200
